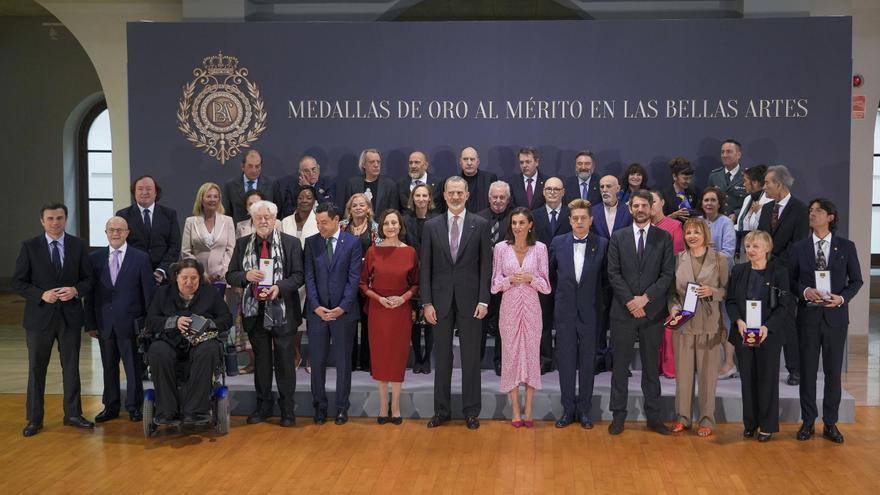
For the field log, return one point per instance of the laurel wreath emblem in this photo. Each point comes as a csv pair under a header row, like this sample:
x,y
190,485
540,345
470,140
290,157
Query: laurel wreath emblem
x,y
219,119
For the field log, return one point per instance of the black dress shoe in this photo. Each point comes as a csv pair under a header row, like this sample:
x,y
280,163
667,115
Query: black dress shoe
x,y
258,417
546,368
497,369
341,418
396,420
585,421
616,427
320,416
437,420
832,433
106,415
472,422
135,416
564,420
79,422
794,379
288,421
383,419
749,433
164,420
764,437
32,429
659,427
806,432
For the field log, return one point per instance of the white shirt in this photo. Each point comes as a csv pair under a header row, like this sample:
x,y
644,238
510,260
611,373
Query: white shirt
x,y
152,209
826,247
610,215
335,238
750,222
783,202
449,216
60,247
732,172
580,251
636,229
245,179
122,249
550,211
581,186
412,182
534,180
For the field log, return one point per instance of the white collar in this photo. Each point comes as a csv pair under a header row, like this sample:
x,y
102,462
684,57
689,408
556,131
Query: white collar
x,y
550,209
152,208
121,249
784,201
423,178
816,239
636,229
734,170
60,239
449,216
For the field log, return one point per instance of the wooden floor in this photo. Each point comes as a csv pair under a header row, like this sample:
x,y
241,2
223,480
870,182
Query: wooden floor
x,y
363,457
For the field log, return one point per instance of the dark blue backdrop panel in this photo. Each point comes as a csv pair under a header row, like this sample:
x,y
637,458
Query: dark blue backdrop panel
x,y
617,63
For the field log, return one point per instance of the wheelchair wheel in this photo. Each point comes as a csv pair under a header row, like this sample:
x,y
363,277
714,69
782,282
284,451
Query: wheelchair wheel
x,y
222,414
149,413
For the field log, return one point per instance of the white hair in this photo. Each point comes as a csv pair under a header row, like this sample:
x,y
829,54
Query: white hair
x,y
499,184
259,205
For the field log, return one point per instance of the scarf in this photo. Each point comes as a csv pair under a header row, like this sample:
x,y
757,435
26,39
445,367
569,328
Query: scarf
x,y
274,313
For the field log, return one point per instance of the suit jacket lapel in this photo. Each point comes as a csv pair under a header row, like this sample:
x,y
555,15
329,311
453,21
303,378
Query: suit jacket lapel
x,y
444,240
467,229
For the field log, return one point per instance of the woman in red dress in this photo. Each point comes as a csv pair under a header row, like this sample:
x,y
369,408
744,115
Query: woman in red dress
x,y
390,278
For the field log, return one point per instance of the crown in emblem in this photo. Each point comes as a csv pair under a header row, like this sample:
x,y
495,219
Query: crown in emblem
x,y
220,64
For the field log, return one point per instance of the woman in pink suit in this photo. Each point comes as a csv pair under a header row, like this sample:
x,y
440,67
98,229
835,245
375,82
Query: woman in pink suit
x,y
520,271
673,226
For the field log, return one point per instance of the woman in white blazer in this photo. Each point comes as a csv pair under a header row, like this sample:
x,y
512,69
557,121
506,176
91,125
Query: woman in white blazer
x,y
209,235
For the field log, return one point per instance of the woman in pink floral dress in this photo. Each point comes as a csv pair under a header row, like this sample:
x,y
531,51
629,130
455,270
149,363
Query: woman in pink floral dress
x,y
520,271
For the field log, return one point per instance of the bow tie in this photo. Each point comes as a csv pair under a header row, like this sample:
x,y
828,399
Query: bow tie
x,y
580,241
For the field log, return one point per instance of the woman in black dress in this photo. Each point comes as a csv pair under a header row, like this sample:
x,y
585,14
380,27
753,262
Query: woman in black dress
x,y
420,208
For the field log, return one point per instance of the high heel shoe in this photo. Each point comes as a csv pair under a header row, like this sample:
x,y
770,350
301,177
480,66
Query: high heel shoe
x,y
517,424
528,423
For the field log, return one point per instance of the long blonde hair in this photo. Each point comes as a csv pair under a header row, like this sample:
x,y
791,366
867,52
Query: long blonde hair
x,y
348,208
200,197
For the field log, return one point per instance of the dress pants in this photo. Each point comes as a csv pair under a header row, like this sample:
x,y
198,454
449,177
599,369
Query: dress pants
x,y
759,372
422,354
604,353
320,334
576,361
816,336
195,394
39,344
548,304
469,334
273,353
791,348
113,349
623,338
490,327
360,354
700,354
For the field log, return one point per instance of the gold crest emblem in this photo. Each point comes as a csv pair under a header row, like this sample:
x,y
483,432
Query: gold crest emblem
x,y
220,110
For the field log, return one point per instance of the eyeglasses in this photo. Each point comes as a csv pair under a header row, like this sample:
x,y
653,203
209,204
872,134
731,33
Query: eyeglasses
x,y
116,231
553,189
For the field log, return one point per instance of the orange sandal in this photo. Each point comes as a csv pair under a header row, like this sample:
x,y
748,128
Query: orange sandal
x,y
704,431
679,427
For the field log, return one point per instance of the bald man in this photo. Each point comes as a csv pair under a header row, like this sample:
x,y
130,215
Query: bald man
x,y
478,181
417,174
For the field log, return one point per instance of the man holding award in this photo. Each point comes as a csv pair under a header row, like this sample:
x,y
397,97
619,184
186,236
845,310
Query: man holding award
x,y
268,264
828,276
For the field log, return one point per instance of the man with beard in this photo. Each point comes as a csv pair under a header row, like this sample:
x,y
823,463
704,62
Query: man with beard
x,y
417,174
582,185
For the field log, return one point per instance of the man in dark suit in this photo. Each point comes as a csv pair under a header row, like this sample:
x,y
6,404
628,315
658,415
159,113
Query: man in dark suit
x,y
498,216
333,271
309,174
478,181
380,189
527,188
270,308
641,267
785,218
52,272
585,184
456,264
550,221
823,317
729,178
153,228
115,310
610,215
418,174
577,264
251,178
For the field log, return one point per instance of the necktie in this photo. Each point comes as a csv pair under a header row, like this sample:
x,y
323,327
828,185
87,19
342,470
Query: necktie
x,y
329,248
530,192
250,185
774,220
553,222
264,249
493,232
453,237
821,262
730,177
114,267
580,241
147,222
56,257
584,190
742,217
417,182
640,250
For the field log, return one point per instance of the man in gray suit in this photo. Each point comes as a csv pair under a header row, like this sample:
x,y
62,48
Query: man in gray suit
x,y
456,264
251,178
729,178
640,270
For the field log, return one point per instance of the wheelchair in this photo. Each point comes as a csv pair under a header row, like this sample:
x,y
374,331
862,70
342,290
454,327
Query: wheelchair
x,y
220,402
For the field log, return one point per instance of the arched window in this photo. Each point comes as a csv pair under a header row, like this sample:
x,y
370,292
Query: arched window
x,y
95,174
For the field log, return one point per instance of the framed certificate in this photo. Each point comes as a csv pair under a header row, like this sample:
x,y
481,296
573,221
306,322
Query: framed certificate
x,y
752,336
823,283
690,298
266,266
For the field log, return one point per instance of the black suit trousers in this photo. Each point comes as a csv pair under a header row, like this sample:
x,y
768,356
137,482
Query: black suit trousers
x,y
273,354
576,361
817,336
791,348
320,334
469,336
623,338
114,349
490,327
195,394
548,305
759,372
39,344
